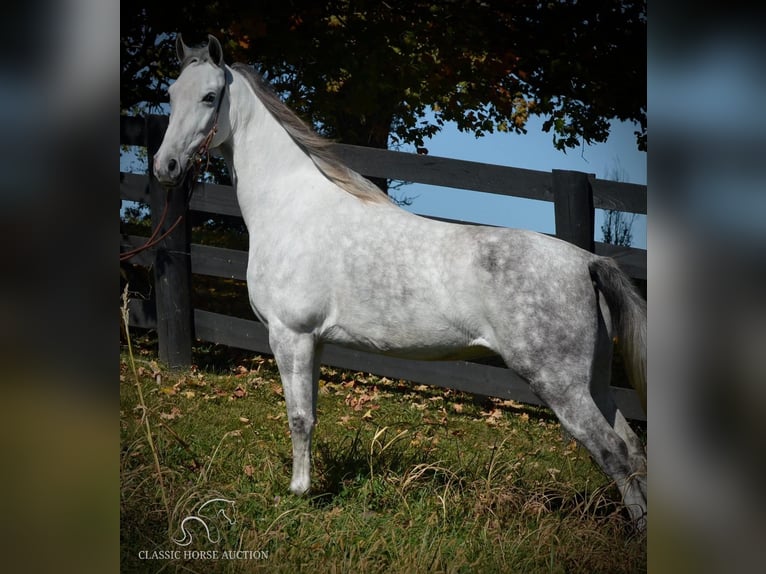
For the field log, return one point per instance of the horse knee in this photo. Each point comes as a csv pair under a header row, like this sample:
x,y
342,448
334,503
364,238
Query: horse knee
x,y
301,424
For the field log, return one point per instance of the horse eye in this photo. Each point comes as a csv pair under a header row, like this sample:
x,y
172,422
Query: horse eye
x,y
209,98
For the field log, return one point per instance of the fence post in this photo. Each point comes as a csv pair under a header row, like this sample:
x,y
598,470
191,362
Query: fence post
x,y
172,262
573,208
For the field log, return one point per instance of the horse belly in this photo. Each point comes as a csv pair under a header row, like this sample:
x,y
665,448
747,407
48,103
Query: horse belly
x,y
414,341
414,323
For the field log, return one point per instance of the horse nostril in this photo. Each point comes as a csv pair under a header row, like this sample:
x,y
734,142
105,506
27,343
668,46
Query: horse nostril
x,y
172,164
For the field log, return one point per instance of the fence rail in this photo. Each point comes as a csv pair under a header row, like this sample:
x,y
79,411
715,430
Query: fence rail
x,y
174,260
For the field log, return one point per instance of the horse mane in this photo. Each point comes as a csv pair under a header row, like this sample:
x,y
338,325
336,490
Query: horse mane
x,y
319,149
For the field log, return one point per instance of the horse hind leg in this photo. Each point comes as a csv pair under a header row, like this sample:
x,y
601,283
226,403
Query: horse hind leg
x,y
582,419
602,394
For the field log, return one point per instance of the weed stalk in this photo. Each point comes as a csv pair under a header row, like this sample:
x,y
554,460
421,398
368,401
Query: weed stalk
x,y
142,403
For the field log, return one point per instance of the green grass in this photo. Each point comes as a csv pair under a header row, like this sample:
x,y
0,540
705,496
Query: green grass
x,y
405,478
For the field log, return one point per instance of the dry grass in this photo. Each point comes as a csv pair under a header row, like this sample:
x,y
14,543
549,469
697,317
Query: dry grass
x,y
406,478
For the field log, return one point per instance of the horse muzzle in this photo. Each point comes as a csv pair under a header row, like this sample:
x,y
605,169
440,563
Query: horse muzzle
x,y
169,171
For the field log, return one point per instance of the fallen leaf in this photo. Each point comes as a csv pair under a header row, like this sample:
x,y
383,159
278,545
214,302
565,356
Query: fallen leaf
x,y
174,413
493,417
249,470
457,407
367,415
357,403
244,420
512,404
239,392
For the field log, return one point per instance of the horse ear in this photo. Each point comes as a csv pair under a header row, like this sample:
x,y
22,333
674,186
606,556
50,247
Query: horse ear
x,y
215,50
181,48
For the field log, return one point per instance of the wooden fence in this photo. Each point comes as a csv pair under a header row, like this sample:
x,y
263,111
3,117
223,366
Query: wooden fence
x,y
175,259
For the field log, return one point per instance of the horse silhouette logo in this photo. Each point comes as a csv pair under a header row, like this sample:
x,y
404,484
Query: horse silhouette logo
x,y
207,521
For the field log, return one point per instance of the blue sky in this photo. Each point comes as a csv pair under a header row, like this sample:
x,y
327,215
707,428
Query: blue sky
x,y
533,150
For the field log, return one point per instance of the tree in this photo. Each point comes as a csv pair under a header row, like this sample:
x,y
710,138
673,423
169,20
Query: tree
x,y
617,227
364,72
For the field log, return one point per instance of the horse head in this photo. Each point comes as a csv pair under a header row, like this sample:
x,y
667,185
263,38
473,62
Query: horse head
x,y
197,99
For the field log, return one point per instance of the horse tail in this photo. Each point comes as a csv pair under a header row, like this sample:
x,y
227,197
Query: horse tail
x,y
628,311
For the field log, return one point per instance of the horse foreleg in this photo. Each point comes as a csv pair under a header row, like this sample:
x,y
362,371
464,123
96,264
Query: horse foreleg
x,y
298,360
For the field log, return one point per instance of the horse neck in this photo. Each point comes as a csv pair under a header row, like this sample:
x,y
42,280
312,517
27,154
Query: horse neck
x,y
266,164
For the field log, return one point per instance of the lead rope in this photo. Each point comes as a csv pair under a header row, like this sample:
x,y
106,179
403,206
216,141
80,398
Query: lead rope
x,y
153,239
190,180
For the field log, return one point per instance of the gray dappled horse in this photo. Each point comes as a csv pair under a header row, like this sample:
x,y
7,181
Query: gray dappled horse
x,y
332,260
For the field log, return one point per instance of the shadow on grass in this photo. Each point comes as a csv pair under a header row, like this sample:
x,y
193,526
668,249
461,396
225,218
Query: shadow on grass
x,y
358,462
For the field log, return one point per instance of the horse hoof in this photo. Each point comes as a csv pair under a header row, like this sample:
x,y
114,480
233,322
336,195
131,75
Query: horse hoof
x,y
299,488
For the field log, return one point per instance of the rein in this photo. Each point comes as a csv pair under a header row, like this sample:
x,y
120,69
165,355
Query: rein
x,y
190,180
154,239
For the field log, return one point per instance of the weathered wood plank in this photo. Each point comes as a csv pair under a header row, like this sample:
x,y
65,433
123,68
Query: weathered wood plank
x,y
573,203
445,172
133,130
232,264
134,187
631,260
477,176
172,263
454,173
142,313
232,331
130,242
630,197
219,262
207,197
214,198
459,375
628,402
